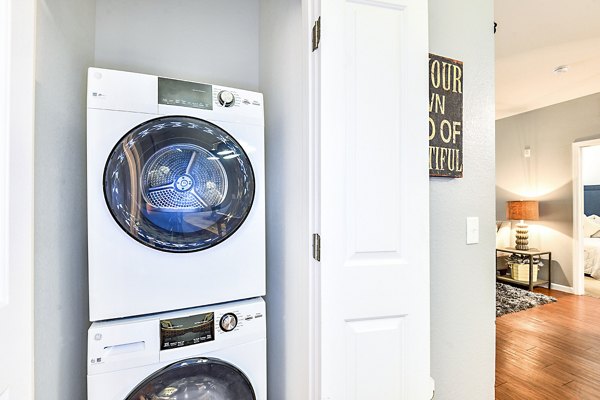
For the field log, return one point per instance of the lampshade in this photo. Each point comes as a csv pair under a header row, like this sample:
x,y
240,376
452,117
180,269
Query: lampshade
x,y
523,210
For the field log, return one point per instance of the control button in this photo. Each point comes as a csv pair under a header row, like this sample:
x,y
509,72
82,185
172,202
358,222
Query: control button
x,y
226,98
228,322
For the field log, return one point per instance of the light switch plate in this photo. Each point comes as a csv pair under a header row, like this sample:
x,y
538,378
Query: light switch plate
x,y
472,230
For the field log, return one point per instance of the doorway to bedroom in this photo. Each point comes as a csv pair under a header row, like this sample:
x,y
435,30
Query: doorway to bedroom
x,y
586,217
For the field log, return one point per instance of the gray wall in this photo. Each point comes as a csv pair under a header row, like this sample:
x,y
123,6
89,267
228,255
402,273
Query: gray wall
x,y
462,276
209,41
287,174
547,174
65,48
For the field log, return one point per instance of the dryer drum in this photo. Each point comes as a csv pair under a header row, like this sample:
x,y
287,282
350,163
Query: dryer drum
x,y
179,184
195,378
183,178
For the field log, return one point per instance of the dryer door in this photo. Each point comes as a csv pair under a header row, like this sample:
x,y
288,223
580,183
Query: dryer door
x,y
195,378
178,184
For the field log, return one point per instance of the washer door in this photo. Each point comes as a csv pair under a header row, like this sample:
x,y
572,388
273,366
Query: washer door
x,y
178,184
197,379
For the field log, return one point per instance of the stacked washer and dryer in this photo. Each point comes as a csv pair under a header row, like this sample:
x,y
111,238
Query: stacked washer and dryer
x,y
176,233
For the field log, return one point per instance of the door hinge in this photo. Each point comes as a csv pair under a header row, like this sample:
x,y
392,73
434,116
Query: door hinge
x,y
317,246
316,34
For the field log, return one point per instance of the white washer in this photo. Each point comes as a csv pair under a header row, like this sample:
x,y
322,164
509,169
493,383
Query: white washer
x,y
176,209
213,353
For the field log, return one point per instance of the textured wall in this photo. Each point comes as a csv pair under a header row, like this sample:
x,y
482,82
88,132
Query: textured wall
x,y
462,276
65,48
547,175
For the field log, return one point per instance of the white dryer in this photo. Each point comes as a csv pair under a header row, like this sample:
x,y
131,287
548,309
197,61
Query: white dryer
x,y
212,353
175,185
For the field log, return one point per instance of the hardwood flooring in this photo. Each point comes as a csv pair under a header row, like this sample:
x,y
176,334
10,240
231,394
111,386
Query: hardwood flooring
x,y
550,352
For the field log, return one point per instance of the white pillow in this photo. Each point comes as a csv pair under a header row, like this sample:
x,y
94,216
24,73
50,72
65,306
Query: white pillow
x,y
591,227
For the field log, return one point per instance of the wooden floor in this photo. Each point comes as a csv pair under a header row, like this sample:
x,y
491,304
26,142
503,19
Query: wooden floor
x,y
551,352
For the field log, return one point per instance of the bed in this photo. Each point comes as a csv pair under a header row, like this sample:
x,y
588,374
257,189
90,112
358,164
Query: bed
x,y
591,254
591,199
591,245
591,230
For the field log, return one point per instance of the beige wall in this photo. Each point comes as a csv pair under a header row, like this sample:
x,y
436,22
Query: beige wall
x,y
462,276
547,174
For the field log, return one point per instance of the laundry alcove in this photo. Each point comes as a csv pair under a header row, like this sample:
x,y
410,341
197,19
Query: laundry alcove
x,y
251,44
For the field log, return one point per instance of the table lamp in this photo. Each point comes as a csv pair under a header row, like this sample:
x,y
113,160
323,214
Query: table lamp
x,y
522,210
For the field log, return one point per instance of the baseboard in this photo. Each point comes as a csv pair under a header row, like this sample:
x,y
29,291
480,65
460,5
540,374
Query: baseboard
x,y
561,288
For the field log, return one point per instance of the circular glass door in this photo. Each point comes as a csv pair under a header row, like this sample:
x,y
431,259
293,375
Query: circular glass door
x,y
178,184
197,379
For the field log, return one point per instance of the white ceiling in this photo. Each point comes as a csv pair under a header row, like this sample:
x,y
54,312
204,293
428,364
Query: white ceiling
x,y
536,36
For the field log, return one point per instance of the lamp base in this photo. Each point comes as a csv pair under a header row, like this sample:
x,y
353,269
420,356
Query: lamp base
x,y
522,242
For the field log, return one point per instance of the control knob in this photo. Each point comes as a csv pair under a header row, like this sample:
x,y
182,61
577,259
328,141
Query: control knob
x,y
228,322
226,98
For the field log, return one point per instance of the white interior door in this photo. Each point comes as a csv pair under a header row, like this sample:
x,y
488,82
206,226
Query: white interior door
x,y
17,30
374,200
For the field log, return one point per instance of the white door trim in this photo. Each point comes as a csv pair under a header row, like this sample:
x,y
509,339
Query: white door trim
x,y
17,100
312,10
578,281
4,143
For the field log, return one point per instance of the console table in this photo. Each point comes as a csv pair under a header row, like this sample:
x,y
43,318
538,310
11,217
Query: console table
x,y
530,254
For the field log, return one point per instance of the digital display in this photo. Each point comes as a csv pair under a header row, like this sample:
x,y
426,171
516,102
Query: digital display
x,y
181,332
184,94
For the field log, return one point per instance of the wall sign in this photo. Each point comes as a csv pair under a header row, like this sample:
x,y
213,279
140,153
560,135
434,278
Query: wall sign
x,y
445,117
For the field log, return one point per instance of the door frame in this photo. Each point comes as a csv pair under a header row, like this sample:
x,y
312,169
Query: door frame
x,y
17,112
578,259
312,13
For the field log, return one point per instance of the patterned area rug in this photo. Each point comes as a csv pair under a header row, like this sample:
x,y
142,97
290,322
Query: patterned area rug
x,y
510,299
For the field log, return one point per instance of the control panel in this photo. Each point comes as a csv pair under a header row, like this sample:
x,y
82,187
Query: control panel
x,y
137,341
234,320
186,331
173,92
